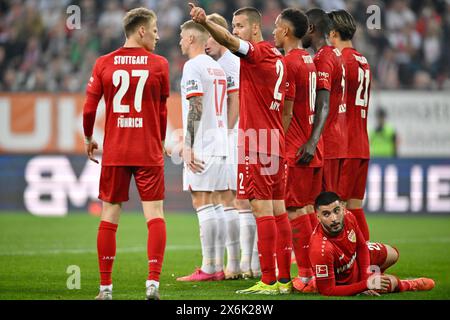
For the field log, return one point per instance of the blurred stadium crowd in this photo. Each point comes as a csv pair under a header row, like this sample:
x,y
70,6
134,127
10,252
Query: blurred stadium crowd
x,y
39,53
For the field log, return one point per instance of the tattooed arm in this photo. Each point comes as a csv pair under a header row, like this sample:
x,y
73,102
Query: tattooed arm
x,y
194,116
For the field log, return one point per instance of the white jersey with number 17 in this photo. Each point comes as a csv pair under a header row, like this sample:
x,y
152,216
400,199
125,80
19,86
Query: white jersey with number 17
x,y
203,76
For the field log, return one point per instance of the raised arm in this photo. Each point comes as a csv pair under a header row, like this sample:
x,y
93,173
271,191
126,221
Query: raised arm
x,y
219,33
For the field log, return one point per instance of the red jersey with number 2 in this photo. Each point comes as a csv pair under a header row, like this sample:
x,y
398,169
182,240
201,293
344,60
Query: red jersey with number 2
x,y
135,85
331,77
357,81
261,95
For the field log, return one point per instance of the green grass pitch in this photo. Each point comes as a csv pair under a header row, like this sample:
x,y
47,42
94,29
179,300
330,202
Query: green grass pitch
x,y
36,252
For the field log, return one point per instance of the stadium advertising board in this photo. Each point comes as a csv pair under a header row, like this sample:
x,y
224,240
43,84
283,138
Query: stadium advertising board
x,y
53,185
45,123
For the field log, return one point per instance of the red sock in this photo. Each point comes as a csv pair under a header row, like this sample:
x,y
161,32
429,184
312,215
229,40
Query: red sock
x,y
402,285
267,239
284,246
156,245
106,249
314,220
362,223
301,234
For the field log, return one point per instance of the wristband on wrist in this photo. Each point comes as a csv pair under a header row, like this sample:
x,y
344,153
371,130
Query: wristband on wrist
x,y
87,140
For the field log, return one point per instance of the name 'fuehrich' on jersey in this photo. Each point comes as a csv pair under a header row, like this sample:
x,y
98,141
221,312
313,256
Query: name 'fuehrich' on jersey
x,y
261,99
135,86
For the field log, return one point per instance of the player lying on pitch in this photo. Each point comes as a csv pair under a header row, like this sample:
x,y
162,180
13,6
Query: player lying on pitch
x,y
344,263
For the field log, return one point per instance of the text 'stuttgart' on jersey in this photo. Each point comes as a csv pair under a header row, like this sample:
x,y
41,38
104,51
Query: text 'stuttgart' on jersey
x,y
261,99
331,77
357,80
301,89
135,86
203,76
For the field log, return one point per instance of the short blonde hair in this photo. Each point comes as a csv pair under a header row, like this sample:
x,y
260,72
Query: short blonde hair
x,y
137,17
191,25
218,19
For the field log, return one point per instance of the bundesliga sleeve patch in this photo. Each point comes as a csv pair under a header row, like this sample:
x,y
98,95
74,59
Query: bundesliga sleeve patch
x,y
321,271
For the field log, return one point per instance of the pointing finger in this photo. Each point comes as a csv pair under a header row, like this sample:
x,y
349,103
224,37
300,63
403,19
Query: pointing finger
x,y
192,5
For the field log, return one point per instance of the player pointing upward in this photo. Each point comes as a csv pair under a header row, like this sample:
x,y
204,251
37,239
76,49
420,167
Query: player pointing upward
x,y
261,162
135,85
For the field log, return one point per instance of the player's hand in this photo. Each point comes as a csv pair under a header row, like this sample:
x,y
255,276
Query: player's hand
x,y
306,153
90,146
378,282
197,14
370,293
194,164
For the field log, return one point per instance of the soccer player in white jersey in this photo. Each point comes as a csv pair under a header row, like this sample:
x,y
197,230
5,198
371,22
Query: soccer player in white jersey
x,y
204,104
240,223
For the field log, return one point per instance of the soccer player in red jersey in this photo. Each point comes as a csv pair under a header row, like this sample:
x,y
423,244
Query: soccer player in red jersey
x,y
344,263
331,80
135,86
353,175
261,170
304,177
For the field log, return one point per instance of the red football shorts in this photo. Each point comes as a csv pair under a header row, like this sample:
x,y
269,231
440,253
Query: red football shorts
x,y
378,253
303,186
331,173
261,177
352,178
115,183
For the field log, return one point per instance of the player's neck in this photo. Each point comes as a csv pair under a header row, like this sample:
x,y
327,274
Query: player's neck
x,y
195,51
257,38
132,43
292,44
341,45
319,43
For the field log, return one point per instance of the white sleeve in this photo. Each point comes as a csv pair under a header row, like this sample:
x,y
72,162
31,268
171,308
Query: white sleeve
x,y
192,81
243,47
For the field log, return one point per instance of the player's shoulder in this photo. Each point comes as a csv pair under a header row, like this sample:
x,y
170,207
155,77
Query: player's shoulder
x,y
158,58
352,55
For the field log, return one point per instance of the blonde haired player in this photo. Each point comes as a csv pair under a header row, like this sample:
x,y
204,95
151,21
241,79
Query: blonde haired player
x,y
204,96
240,222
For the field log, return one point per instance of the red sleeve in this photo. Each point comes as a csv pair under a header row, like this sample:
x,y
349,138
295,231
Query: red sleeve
x,y
94,92
165,92
324,66
254,53
290,80
323,265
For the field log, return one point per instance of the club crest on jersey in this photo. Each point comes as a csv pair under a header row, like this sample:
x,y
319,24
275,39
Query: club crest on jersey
x,y
352,236
321,271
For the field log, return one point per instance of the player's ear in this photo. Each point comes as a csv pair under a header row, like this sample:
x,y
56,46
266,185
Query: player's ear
x,y
310,28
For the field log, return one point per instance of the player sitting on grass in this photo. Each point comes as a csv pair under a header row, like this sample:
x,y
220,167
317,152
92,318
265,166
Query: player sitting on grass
x,y
344,263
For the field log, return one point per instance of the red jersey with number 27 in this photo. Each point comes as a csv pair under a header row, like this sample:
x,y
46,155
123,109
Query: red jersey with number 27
x,y
135,85
357,81
261,95
301,88
331,77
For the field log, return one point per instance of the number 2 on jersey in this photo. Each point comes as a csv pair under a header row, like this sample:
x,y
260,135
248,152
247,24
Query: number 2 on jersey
x,y
122,77
363,80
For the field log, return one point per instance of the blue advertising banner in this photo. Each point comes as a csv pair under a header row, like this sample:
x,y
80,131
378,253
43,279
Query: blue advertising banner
x,y
53,185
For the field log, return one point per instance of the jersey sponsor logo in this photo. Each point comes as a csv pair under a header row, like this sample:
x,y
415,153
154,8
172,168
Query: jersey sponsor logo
x,y
231,82
323,74
352,236
321,271
360,59
307,59
342,108
346,266
130,59
192,85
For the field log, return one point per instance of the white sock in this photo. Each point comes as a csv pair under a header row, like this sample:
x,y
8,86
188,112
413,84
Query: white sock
x,y
247,226
208,229
148,283
255,256
221,235
108,287
232,239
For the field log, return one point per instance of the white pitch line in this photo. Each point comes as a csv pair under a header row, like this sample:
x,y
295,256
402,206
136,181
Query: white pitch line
x,y
82,251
